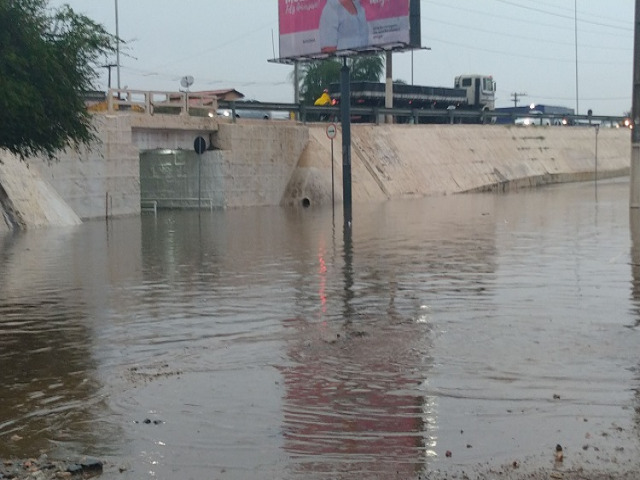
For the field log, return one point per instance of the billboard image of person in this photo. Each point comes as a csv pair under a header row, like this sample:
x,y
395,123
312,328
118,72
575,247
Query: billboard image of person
x,y
311,28
343,26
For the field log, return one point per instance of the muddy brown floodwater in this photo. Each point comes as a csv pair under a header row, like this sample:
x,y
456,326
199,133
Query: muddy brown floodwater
x,y
456,337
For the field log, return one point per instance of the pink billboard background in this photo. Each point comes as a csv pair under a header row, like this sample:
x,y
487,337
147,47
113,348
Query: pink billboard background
x,y
298,16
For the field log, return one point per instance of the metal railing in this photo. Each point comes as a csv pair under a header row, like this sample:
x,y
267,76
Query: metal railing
x,y
204,104
154,102
377,115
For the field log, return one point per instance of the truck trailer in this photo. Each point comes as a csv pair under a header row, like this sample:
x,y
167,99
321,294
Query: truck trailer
x,y
470,93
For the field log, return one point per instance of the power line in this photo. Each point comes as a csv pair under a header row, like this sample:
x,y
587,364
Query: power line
x,y
520,55
588,99
535,39
200,53
571,11
494,16
559,15
202,80
515,97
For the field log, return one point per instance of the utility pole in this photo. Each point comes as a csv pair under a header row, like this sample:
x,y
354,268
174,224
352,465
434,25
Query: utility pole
x,y
117,46
516,97
634,200
109,67
576,42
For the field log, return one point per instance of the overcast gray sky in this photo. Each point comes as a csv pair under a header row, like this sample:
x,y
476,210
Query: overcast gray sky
x,y
528,46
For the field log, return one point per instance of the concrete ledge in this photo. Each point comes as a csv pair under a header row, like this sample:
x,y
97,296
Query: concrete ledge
x,y
173,122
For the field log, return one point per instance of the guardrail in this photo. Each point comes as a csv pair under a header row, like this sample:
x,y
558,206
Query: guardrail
x,y
377,115
203,104
154,102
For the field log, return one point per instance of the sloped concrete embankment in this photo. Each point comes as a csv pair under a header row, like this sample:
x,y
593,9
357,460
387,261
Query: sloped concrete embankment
x,y
95,181
27,200
399,161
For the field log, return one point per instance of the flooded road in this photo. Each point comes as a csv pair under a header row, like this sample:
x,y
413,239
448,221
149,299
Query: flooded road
x,y
468,333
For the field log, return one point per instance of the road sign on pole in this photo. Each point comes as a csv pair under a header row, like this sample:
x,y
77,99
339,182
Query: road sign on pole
x,y
332,131
200,146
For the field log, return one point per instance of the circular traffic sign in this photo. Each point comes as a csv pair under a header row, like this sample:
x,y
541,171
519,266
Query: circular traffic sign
x,y
200,145
332,131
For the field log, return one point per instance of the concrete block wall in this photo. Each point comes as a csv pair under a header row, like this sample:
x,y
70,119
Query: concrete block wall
x,y
103,180
250,165
399,161
257,160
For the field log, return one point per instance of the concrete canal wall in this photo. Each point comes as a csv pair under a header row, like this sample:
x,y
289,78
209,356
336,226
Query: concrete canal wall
x,y
280,162
27,200
402,161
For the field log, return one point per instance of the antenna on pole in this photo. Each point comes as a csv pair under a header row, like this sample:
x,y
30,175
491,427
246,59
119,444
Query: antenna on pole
x,y
515,97
186,82
273,44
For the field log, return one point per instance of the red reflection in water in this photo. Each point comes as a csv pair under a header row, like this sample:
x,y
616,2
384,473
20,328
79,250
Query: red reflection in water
x,y
352,404
323,280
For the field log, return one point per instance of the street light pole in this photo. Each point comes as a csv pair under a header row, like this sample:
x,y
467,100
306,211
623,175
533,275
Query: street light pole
x,y
117,46
634,200
576,41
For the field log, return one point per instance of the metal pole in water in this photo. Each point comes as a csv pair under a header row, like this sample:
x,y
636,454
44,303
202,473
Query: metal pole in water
x,y
345,113
333,201
634,200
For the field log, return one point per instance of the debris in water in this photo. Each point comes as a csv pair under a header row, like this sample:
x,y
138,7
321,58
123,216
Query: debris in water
x,y
559,453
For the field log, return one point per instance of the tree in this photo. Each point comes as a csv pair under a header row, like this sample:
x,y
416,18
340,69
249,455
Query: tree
x,y
367,68
48,59
319,74
316,76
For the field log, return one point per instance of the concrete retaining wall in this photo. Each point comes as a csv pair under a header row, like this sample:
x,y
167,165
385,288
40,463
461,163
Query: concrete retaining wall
x,y
101,180
257,160
27,200
280,162
250,166
400,161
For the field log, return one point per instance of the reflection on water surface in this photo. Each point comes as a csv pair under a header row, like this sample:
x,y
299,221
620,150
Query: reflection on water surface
x,y
262,343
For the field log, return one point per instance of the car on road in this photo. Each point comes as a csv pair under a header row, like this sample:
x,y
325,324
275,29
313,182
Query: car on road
x,y
534,117
245,109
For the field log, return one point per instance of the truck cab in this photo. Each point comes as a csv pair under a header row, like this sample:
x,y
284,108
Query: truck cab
x,y
481,90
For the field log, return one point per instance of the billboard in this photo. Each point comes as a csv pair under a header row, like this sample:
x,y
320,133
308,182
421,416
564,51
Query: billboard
x,y
317,28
